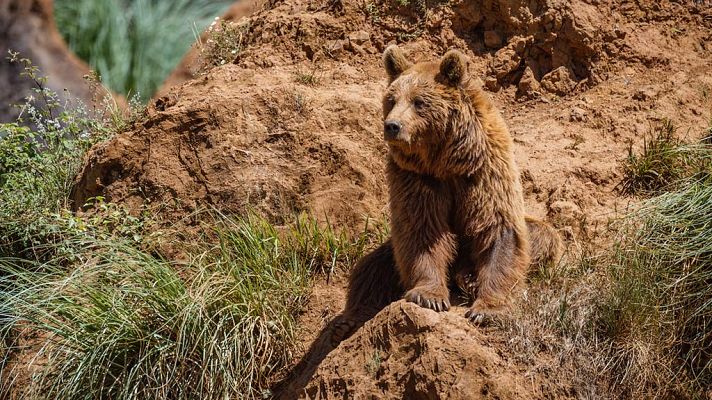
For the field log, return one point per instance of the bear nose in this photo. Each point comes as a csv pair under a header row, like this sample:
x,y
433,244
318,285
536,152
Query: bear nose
x,y
391,129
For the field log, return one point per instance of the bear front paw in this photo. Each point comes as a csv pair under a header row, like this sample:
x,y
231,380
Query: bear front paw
x,y
480,314
429,299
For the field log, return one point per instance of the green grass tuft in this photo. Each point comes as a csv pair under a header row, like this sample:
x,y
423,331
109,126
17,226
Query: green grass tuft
x,y
134,44
125,324
663,160
660,305
308,78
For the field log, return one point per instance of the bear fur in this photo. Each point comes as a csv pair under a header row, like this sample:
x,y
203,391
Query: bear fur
x,y
457,209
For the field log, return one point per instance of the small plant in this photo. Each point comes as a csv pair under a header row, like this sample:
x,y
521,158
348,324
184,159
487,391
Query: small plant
x,y
224,41
578,140
707,135
408,36
374,364
302,104
309,78
420,6
373,12
661,161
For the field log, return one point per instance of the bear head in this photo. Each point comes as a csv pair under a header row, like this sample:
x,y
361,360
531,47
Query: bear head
x,y
428,112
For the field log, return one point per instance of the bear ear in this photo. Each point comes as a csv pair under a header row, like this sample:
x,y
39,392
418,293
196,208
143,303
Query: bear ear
x,y
395,62
453,68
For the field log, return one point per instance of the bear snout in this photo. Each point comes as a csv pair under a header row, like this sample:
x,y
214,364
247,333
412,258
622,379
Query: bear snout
x,y
391,130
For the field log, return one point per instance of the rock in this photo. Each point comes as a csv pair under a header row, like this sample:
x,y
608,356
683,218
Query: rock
x,y
337,47
564,212
359,37
505,62
578,115
356,49
438,355
493,40
491,83
264,157
519,44
559,81
645,93
528,86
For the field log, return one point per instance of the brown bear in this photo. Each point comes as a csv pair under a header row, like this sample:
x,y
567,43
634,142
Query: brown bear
x,y
455,199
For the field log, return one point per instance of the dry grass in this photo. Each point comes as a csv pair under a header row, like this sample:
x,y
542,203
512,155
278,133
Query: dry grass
x,y
310,77
223,43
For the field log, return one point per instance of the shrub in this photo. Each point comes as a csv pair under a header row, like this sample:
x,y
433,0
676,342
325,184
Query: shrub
x,y
39,158
224,40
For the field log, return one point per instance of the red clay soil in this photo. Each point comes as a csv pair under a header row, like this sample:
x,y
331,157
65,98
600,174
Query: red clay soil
x,y
408,352
28,27
249,135
578,82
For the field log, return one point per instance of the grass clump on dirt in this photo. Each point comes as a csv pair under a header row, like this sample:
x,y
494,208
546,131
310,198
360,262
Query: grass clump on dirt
x,y
125,324
663,160
224,40
134,44
309,77
657,311
635,316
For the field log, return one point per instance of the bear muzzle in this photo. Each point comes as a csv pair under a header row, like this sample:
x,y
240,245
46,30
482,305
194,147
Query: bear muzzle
x,y
392,130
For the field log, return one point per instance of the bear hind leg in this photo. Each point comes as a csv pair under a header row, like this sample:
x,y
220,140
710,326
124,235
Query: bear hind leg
x,y
498,272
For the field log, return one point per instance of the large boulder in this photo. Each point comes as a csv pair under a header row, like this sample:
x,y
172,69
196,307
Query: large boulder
x,y
243,139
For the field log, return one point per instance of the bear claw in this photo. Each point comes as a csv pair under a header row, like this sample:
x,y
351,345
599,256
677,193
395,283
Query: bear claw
x,y
435,303
475,317
478,316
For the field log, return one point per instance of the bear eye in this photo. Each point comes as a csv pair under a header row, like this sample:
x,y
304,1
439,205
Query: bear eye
x,y
390,100
418,103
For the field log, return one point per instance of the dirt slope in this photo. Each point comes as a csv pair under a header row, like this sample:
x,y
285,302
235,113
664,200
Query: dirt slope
x,y
267,143
189,65
578,83
407,352
28,27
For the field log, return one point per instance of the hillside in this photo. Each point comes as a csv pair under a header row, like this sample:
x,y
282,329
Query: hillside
x,y
293,125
